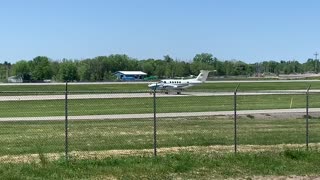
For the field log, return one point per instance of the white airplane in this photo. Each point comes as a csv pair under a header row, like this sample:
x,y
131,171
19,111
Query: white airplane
x,y
179,84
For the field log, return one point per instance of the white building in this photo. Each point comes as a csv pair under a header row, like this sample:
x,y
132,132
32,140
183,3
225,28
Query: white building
x,y
130,75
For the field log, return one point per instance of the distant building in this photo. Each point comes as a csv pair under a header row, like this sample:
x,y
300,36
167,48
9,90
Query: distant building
x,y
15,79
130,75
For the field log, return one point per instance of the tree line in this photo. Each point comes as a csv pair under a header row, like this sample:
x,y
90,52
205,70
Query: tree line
x,y
102,68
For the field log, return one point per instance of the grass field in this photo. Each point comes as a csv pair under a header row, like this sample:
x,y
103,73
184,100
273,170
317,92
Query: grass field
x,y
271,165
145,105
44,137
254,86
48,137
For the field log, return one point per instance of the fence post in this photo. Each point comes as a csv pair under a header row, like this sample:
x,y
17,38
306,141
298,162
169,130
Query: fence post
x,y
66,122
235,118
154,123
307,117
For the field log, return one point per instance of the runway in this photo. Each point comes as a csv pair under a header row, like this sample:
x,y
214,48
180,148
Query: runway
x,y
285,112
147,82
144,95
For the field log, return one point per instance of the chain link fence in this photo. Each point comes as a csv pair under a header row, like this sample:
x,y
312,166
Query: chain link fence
x,y
90,123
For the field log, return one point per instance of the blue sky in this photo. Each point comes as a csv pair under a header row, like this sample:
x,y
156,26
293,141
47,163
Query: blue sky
x,y
247,30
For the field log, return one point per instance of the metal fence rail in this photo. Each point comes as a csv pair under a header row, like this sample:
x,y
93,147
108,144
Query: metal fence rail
x,y
76,123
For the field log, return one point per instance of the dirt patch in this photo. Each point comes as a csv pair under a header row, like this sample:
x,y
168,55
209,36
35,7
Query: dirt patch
x,y
277,116
283,178
34,158
29,158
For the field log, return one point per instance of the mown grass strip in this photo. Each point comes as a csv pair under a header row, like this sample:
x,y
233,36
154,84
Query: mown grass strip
x,y
48,137
255,86
145,105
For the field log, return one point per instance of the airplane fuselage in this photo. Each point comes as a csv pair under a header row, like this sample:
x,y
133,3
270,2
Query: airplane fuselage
x,y
179,84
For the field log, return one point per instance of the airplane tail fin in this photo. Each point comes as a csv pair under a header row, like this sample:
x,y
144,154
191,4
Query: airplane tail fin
x,y
203,75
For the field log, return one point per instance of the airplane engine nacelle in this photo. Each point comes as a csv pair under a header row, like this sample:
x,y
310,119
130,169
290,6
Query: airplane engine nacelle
x,y
155,86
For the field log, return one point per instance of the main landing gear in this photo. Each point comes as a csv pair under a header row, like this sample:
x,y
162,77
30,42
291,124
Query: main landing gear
x,y
178,92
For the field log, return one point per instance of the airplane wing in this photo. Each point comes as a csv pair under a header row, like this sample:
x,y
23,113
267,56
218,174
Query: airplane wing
x,y
169,86
165,86
173,86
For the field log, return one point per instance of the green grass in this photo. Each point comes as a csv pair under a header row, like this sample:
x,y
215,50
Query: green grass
x,y
48,137
184,165
145,105
254,86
